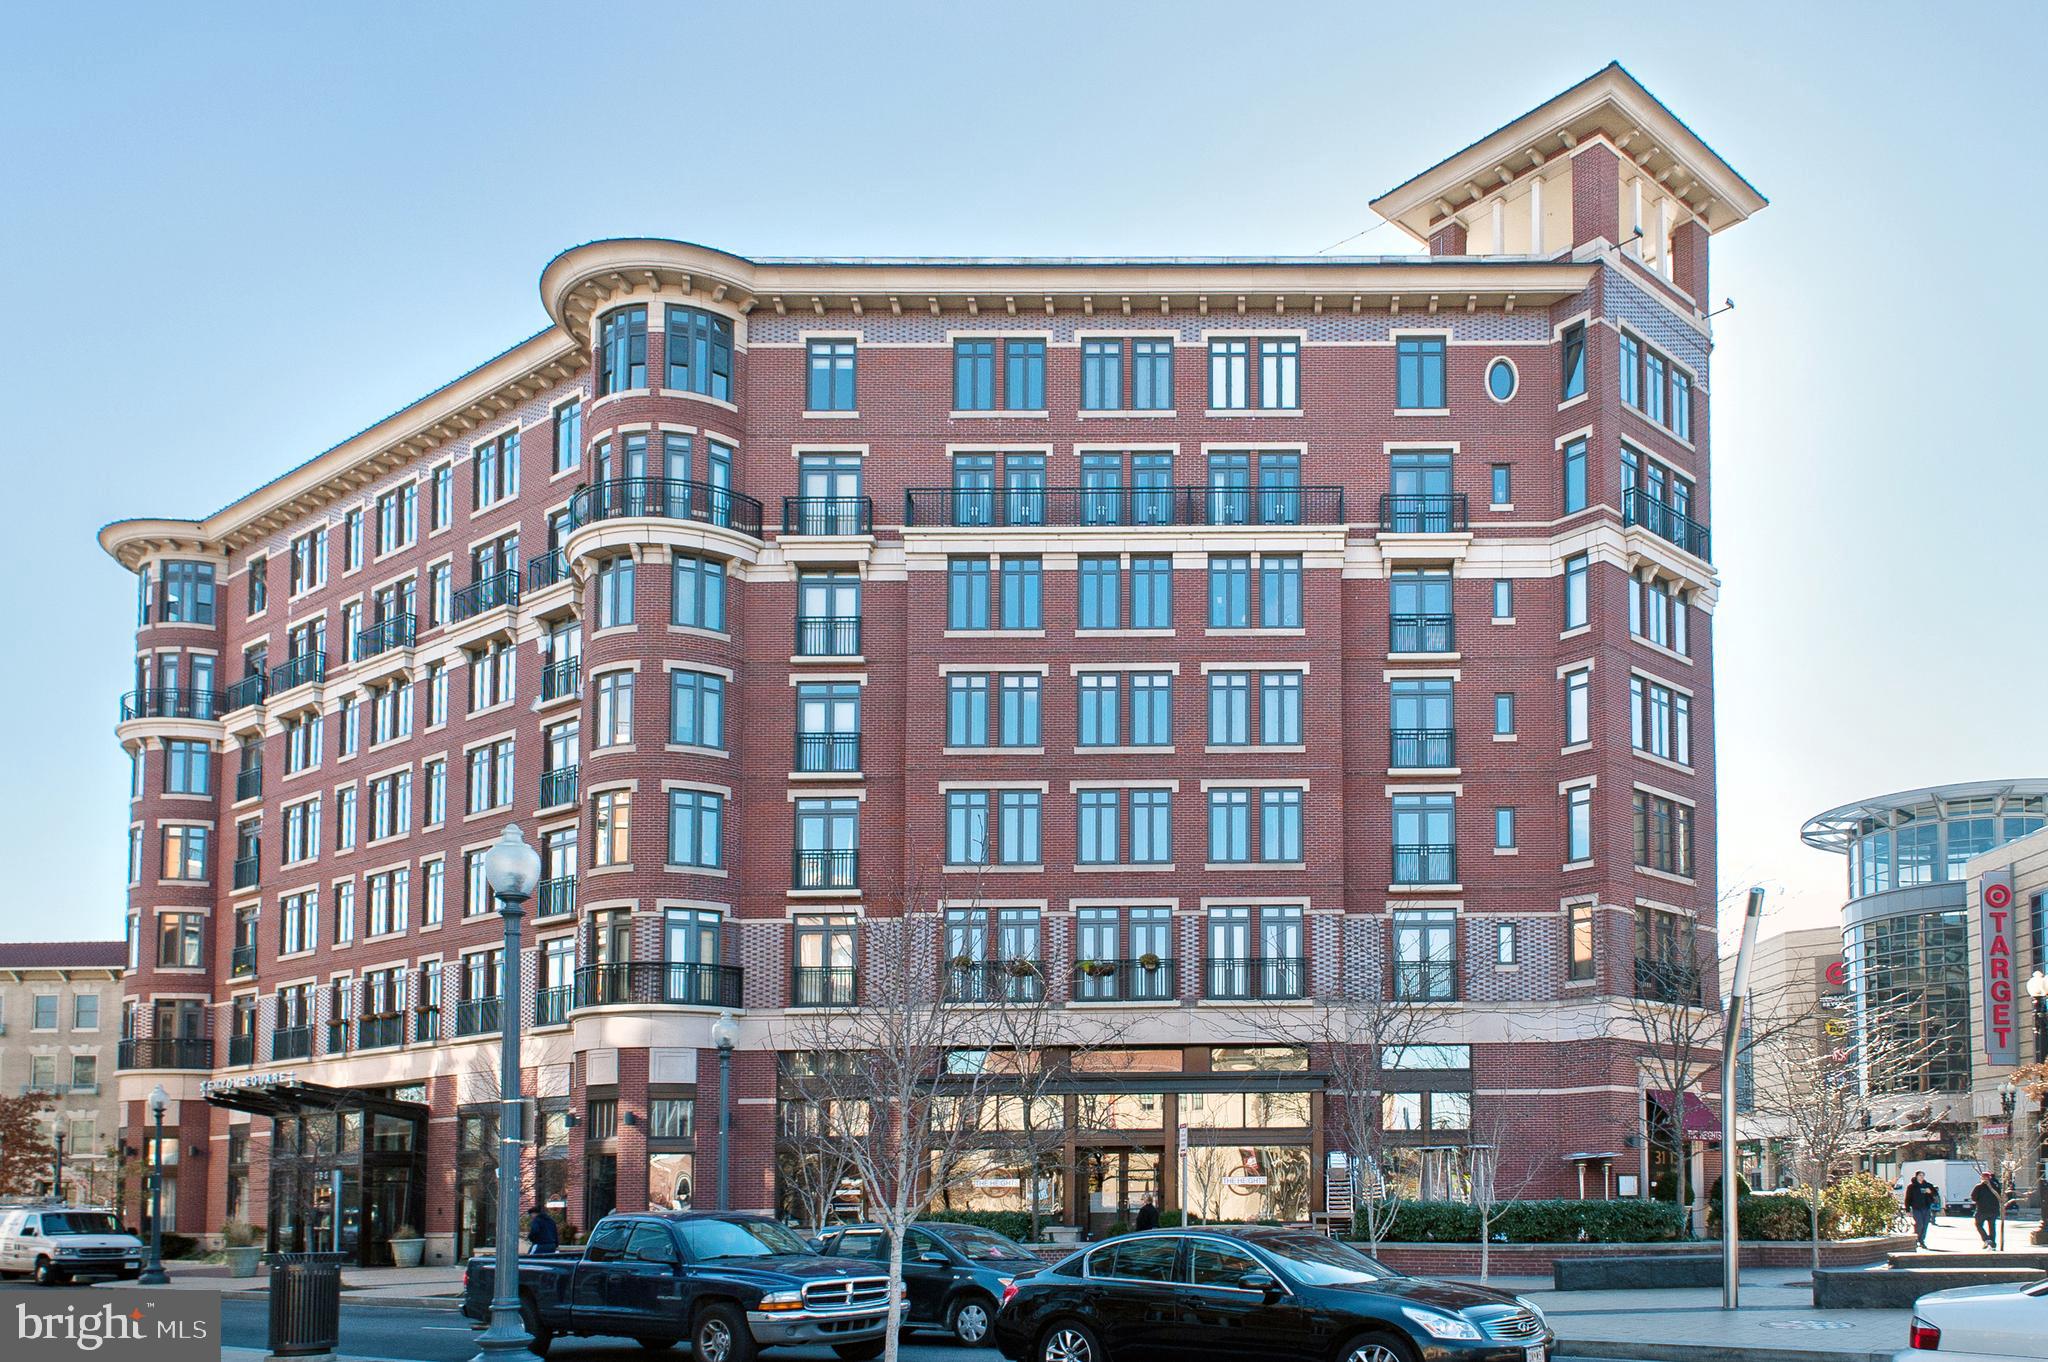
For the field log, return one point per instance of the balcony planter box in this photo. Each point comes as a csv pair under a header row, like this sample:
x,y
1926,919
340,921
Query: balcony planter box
x,y
1149,962
407,1252
1097,969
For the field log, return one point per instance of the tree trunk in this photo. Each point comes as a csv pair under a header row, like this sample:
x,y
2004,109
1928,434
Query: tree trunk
x,y
889,1345
1813,1215
1485,1244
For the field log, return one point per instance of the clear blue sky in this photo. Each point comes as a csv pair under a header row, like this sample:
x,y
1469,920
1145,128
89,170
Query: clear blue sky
x,y
232,235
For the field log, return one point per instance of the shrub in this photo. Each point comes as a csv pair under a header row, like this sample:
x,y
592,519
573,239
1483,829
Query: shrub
x,y
1742,1189
1862,1205
1537,1222
240,1234
1775,1216
1174,1219
1010,1224
179,1245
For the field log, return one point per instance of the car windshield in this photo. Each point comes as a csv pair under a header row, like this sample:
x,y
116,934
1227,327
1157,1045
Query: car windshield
x,y
739,1239
79,1222
985,1245
1323,1262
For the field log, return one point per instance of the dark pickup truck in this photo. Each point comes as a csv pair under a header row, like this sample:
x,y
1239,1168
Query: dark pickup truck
x,y
726,1284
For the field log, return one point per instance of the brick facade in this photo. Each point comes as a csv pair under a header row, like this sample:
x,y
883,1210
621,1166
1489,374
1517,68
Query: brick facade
x,y
1534,1032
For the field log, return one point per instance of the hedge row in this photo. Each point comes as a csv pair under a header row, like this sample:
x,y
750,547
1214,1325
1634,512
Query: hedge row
x,y
1536,1222
1010,1224
1850,1208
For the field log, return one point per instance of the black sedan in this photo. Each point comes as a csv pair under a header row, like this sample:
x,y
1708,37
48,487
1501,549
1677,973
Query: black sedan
x,y
954,1274
1267,1292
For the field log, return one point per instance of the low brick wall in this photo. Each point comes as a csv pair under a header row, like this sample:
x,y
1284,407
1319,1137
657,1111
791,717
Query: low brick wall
x,y
1539,1260
1898,1288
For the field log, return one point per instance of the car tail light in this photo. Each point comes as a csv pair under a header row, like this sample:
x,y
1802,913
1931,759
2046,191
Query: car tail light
x,y
1925,1335
1009,1293
465,1277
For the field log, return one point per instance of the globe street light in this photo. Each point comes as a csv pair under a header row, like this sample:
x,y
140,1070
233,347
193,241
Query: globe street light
x,y
724,1033
511,869
153,1273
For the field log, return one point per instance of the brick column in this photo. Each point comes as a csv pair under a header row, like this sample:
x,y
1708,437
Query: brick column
x,y
1448,239
1689,261
1596,195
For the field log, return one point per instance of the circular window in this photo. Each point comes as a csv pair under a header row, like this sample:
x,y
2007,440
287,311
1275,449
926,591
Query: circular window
x,y
1500,380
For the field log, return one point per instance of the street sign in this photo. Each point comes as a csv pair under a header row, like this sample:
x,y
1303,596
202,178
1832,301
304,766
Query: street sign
x,y
1183,1139
1996,1130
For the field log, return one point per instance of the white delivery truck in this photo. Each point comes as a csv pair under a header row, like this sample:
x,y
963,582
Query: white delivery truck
x,y
1952,1179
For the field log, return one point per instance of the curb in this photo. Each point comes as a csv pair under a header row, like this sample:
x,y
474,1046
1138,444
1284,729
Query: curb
x,y
356,1298
1706,1352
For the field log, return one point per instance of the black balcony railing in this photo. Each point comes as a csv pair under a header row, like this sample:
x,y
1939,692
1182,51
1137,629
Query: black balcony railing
x,y
245,692
555,897
1668,981
1424,748
561,679
1432,981
374,1033
551,1005
558,786
1425,863
1665,521
1421,634
172,702
828,515
823,986
248,870
828,751
164,1052
815,868
1143,979
995,981
396,632
1422,512
484,594
684,982
299,671
249,782
1064,506
242,1049
477,1016
545,569
828,636
426,1023
291,1042
666,499
242,961
1272,976
337,1037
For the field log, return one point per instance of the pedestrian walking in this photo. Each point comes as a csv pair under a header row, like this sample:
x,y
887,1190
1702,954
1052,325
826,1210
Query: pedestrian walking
x,y
1148,1215
1984,1204
542,1232
1921,1203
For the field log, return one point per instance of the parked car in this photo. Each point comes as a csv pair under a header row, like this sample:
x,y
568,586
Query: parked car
x,y
58,1244
1274,1293
955,1274
1979,1324
726,1284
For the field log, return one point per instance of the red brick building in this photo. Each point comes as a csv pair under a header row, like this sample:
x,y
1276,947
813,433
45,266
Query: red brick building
x,y
1229,631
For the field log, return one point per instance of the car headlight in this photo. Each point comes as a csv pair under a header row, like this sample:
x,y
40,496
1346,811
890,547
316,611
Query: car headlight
x,y
66,1251
782,1300
1006,1281
1533,1308
1441,1325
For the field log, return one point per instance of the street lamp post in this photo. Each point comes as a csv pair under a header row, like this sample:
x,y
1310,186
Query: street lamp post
x,y
511,869
57,1170
153,1273
1731,1044
2007,1100
724,1032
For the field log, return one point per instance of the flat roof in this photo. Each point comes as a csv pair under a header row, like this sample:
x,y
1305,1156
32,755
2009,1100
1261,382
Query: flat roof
x,y
1833,830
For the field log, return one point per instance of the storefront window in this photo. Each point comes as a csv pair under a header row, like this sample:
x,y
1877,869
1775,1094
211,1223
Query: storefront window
x,y
1244,1110
1128,1061
1258,1058
1122,1111
1248,1182
993,1180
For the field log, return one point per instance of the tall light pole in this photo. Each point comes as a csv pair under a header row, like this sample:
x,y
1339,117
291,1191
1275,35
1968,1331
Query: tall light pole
x,y
2008,1098
57,1169
153,1271
511,869
1731,1043
724,1032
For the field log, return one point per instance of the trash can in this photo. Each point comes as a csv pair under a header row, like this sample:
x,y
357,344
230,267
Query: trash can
x,y
305,1304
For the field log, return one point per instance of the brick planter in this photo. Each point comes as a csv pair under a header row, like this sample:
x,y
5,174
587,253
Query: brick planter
x,y
1536,1260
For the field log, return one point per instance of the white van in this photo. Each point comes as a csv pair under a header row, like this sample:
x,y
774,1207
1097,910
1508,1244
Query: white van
x,y
58,1244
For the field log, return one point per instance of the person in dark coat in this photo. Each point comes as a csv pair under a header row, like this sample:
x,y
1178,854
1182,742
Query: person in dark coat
x,y
1984,1204
541,1231
1148,1215
1921,1203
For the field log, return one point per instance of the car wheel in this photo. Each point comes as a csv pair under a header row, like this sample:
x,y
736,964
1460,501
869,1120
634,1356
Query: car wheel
x,y
867,1350
1070,1341
969,1319
1379,1348
47,1275
720,1335
542,1336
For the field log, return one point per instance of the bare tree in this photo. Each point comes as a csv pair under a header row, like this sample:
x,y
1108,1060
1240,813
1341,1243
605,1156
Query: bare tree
x,y
1499,1173
942,1069
1354,1036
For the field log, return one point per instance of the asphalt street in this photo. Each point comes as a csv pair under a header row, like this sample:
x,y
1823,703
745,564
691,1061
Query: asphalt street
x,y
437,1335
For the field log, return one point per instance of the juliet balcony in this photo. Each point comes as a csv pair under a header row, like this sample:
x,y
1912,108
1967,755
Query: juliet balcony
x,y
1422,634
1425,863
1149,978
665,499
828,515
164,1052
1666,522
1262,978
1422,749
1423,513
823,986
1667,981
1027,507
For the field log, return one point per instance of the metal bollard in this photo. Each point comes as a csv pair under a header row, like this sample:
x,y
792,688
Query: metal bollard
x,y
305,1304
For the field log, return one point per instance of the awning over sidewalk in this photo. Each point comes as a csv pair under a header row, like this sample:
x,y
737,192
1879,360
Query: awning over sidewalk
x,y
1700,1121
282,1094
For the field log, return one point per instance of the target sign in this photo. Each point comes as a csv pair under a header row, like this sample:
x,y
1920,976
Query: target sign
x,y
1995,949
1997,895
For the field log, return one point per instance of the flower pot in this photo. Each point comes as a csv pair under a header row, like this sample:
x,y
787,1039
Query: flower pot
x,y
243,1261
1148,961
407,1252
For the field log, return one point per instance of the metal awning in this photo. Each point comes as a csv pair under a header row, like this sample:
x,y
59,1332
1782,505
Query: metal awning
x,y
1608,1157
284,1095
